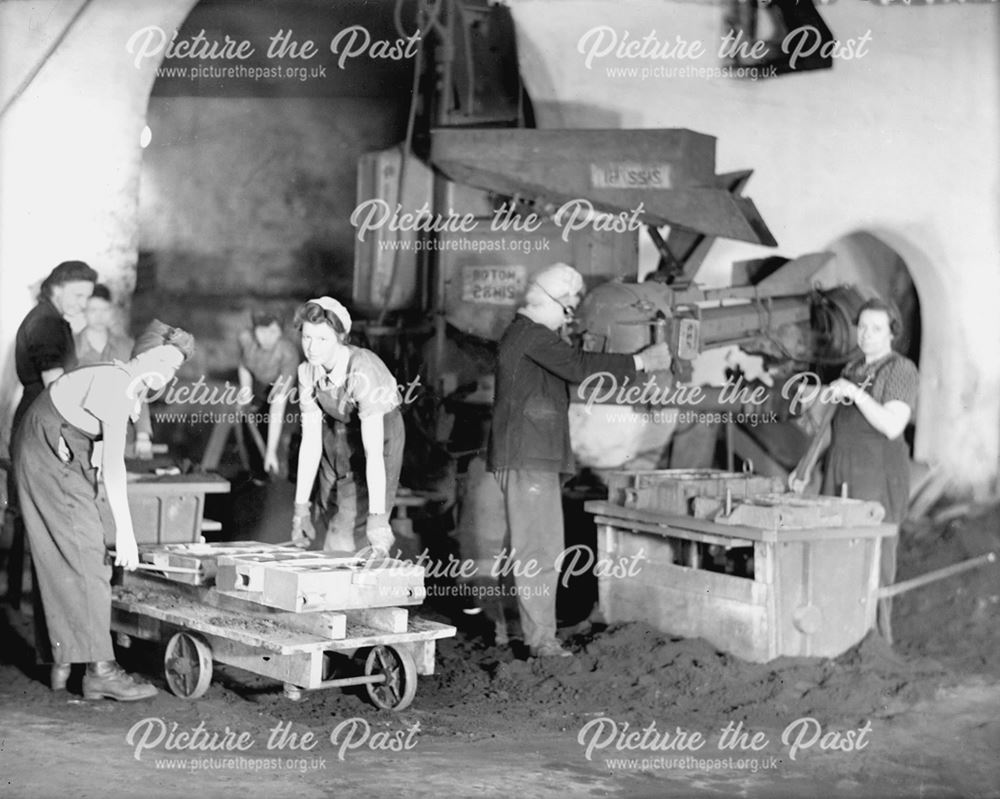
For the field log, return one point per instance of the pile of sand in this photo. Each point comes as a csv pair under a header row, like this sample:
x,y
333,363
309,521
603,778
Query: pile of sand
x,y
944,632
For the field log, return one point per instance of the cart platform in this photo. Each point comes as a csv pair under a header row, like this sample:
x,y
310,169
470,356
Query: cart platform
x,y
303,651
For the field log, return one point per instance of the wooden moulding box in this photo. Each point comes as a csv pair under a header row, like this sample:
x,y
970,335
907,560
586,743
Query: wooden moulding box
x,y
167,510
166,519
312,581
673,490
812,593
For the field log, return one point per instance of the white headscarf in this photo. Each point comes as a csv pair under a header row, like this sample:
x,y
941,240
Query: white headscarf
x,y
337,309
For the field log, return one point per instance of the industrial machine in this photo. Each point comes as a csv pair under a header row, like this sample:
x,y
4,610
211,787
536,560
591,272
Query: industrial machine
x,y
729,556
505,203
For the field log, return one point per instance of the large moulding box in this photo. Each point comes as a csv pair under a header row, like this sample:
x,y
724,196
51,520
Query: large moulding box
x,y
673,490
305,582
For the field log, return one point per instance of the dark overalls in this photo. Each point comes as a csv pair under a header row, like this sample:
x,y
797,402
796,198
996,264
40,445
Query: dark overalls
x,y
66,515
342,467
874,468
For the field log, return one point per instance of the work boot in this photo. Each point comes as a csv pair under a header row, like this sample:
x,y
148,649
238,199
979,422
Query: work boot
x,y
59,676
550,649
107,680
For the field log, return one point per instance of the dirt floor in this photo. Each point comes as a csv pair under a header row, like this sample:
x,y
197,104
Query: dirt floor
x,y
621,718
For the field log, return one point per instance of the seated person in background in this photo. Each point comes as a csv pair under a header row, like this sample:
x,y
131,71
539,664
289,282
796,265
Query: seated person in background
x,y
98,343
268,370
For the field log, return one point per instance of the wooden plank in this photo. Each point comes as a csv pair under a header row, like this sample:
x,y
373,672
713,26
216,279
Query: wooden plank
x,y
138,626
672,532
699,581
359,636
255,631
836,533
268,631
304,669
423,655
180,484
788,511
822,596
676,526
392,620
735,626
326,624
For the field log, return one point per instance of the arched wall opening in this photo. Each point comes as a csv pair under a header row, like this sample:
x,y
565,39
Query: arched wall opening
x,y
248,183
72,107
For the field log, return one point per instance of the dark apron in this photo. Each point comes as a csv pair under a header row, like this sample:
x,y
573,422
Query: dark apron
x,y
341,491
873,467
66,516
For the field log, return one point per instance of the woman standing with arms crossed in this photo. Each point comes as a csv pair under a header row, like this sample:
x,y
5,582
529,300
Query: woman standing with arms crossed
x,y
70,468
351,426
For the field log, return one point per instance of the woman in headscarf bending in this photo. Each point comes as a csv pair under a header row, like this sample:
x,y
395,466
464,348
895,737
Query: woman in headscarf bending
x,y
352,427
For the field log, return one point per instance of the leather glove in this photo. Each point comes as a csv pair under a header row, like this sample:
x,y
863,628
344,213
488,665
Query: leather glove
x,y
379,533
656,358
303,531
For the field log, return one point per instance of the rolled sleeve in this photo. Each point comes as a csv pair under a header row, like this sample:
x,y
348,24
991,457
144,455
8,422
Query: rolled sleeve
x,y
307,390
372,386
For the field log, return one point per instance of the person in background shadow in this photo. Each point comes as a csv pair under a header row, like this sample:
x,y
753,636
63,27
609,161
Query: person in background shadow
x,y
98,343
268,372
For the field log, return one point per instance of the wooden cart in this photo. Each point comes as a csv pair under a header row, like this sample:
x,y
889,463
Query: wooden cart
x,y
302,651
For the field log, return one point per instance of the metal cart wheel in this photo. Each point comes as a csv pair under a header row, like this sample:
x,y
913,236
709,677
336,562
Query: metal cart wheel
x,y
187,665
400,672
